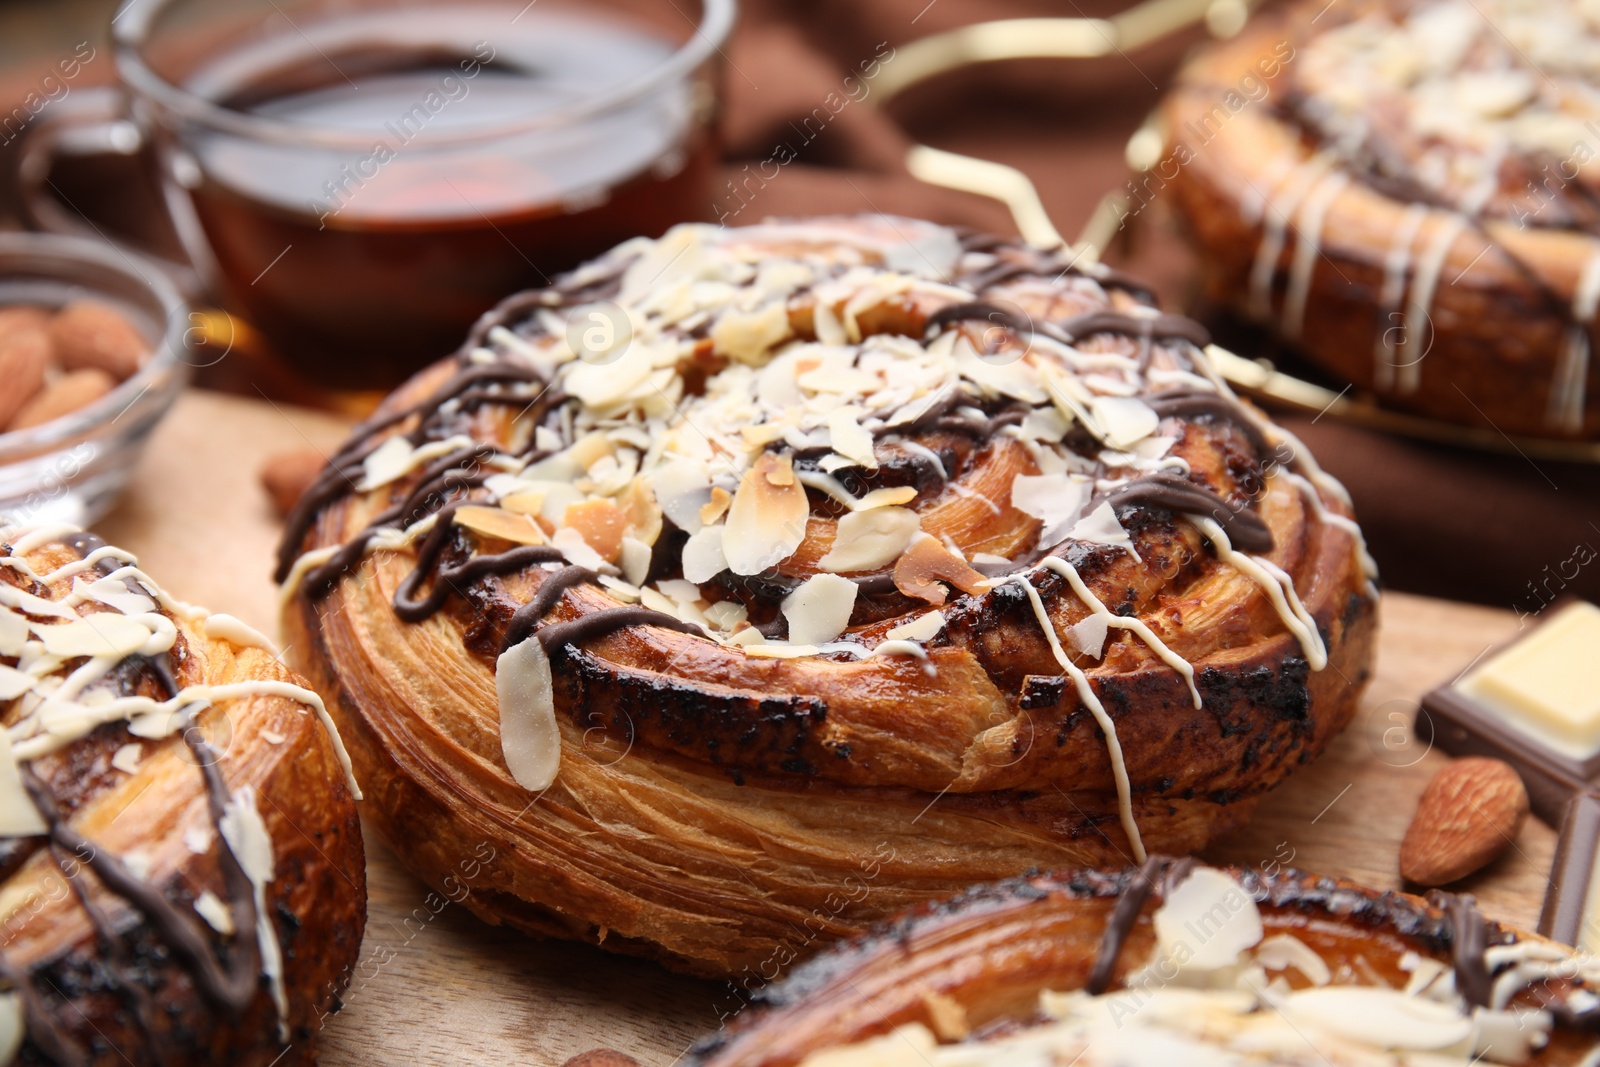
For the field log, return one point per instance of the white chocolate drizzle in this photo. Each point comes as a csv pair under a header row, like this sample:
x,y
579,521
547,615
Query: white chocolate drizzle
x,y
1396,269
1279,588
1119,622
1274,226
1369,566
1090,700
1419,330
1307,248
55,711
1568,391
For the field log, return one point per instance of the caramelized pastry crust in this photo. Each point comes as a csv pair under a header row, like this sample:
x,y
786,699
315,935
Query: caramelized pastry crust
x,y
182,878
744,561
1406,191
1174,963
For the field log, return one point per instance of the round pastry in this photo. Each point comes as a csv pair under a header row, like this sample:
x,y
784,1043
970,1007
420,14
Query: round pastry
x,y
746,566
1177,963
1407,190
182,878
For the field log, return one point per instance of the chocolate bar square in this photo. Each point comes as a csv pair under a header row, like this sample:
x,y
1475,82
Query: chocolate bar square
x,y
1572,903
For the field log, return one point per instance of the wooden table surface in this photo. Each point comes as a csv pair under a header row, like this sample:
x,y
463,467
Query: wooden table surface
x,y
447,989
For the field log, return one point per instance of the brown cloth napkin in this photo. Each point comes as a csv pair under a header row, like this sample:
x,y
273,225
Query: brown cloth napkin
x,y
805,134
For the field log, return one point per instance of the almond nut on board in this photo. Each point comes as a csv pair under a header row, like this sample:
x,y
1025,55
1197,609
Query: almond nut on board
x,y
287,475
1470,812
602,1057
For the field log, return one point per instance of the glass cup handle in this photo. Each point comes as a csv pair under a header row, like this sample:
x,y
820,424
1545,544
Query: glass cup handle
x,y
90,122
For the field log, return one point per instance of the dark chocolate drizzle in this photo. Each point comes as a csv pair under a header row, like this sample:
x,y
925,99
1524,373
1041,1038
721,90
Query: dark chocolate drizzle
x,y
1246,530
609,620
227,987
978,310
344,469
1198,403
1157,328
1120,924
1469,944
1125,913
551,587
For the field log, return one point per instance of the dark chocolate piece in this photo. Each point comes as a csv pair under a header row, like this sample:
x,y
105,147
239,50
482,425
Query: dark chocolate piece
x,y
1566,901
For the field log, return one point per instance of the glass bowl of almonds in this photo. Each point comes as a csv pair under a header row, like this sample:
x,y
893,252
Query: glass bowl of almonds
x,y
91,346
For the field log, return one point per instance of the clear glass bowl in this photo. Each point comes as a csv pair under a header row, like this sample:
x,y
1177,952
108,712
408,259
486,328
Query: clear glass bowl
x,y
74,468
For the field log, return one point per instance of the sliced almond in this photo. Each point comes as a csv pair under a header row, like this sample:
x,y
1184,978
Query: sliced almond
x,y
922,628
497,522
927,563
747,336
850,439
869,540
703,556
107,635
530,739
681,488
527,502
636,558
717,506
643,515
1088,635
780,472
1124,419
1102,526
1053,499
19,816
384,464
819,610
767,519
601,524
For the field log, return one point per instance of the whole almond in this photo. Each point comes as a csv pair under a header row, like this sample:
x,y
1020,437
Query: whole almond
x,y
20,316
24,355
63,396
602,1057
91,335
1470,812
287,475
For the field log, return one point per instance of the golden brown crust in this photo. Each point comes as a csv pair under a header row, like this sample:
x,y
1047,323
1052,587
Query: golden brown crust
x,y
130,997
721,811
991,951
1489,346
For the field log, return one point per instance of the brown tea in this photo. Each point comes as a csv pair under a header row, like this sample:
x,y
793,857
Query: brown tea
x,y
360,265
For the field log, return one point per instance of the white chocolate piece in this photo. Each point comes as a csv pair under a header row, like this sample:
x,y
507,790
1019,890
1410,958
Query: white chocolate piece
x,y
1548,684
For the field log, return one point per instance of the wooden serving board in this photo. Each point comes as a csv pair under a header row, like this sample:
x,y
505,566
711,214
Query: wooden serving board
x,y
435,986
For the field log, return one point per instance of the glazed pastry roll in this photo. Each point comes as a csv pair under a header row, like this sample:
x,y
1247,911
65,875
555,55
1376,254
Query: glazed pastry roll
x,y
750,584
182,877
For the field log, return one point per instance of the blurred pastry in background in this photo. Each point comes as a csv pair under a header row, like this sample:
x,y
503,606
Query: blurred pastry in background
x,y
1408,193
